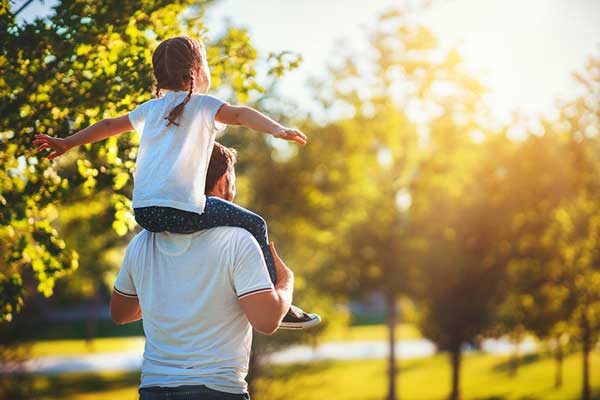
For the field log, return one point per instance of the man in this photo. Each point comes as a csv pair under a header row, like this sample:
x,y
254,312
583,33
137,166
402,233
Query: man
x,y
200,295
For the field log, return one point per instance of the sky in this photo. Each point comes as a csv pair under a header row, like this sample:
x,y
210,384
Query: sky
x,y
524,50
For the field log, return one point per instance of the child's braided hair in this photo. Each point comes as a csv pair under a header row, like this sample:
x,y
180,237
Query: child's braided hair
x,y
175,61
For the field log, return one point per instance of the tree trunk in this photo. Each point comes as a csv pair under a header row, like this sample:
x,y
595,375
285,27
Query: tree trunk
x,y
515,358
455,357
91,323
586,342
559,356
391,323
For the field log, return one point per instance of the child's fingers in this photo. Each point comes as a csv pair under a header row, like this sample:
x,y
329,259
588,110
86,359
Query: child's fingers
x,y
38,141
274,253
41,136
53,155
272,247
298,140
297,136
302,135
43,146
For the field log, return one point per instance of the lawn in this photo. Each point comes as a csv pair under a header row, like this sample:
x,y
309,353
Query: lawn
x,y
484,377
53,347
70,347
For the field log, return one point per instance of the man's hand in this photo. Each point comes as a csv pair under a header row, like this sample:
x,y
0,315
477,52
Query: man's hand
x,y
57,145
290,134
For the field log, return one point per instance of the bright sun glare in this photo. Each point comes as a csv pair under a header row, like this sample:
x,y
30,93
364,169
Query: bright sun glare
x,y
523,50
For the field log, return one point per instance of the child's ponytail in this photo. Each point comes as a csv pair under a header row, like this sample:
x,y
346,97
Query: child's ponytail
x,y
176,61
178,110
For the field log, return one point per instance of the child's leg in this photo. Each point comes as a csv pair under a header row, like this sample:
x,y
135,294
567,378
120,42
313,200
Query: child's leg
x,y
161,219
219,212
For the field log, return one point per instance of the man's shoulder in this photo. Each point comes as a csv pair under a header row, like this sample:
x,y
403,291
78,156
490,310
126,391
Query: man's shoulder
x,y
137,243
232,240
226,234
140,237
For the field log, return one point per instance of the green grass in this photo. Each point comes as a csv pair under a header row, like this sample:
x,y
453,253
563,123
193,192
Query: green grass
x,y
52,347
73,386
371,332
483,377
77,346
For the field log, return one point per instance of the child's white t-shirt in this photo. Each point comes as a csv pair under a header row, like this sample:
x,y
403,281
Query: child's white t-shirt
x,y
172,161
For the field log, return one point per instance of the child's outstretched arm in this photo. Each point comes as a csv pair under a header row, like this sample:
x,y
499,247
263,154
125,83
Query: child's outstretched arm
x,y
249,117
94,133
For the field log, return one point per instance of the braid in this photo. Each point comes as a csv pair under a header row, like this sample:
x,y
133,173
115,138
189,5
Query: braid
x,y
178,110
175,62
192,84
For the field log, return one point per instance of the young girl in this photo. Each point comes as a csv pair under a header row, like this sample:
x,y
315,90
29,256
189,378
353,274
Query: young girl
x,y
177,131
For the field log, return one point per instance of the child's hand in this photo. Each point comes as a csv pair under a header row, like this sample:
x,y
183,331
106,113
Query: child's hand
x,y
291,134
57,145
285,276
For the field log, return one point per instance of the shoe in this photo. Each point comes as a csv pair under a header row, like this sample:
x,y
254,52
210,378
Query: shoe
x,y
296,318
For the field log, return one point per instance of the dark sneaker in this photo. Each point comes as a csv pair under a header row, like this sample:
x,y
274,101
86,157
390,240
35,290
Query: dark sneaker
x,y
298,319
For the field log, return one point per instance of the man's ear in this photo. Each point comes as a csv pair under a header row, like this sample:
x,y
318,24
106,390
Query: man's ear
x,y
221,185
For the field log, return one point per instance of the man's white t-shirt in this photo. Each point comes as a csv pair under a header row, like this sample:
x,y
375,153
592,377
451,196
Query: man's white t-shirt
x,y
188,287
172,161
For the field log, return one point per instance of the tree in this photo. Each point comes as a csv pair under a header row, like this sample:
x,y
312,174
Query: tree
x,y
574,231
448,230
457,221
536,298
365,164
575,224
576,239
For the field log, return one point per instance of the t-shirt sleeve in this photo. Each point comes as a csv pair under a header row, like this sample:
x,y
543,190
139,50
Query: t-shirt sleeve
x,y
137,117
250,275
209,107
124,282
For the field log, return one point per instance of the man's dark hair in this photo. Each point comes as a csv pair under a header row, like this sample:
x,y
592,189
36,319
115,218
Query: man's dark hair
x,y
222,160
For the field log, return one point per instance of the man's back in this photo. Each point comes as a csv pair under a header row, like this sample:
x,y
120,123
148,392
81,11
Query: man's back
x,y
188,288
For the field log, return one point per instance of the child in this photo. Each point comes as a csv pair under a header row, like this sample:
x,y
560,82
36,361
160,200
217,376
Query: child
x,y
177,131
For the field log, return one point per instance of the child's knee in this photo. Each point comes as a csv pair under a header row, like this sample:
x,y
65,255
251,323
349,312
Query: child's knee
x,y
259,222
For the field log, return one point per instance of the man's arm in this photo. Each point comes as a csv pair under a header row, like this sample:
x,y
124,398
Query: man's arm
x,y
265,310
124,309
100,130
249,117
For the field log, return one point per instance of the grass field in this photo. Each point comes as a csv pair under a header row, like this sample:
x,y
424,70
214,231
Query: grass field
x,y
43,348
483,377
66,347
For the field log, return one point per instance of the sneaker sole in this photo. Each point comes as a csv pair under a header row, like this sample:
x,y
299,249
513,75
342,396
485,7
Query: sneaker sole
x,y
302,325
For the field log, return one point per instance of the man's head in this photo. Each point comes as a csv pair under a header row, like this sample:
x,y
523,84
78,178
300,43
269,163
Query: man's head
x,y
220,178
